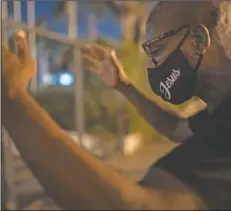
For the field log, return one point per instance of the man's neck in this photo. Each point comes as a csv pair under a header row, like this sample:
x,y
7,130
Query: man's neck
x,y
220,89
216,80
215,102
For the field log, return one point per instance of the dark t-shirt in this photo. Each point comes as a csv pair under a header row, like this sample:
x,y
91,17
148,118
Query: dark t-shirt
x,y
199,121
203,161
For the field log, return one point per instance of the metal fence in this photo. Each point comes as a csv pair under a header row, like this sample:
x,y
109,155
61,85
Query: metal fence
x,y
72,39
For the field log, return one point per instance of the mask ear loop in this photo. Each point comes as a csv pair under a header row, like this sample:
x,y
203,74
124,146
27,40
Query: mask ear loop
x,y
199,61
200,55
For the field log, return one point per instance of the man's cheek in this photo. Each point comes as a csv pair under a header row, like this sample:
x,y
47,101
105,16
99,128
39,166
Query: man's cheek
x,y
160,59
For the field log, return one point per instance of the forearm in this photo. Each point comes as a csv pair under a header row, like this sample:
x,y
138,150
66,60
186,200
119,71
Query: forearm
x,y
165,122
69,174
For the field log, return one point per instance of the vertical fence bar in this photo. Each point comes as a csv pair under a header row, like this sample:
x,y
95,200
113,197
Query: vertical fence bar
x,y
92,26
34,85
4,172
4,17
17,14
17,11
8,157
71,7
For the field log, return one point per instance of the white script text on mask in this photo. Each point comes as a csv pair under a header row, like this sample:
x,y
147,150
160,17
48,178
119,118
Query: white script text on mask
x,y
166,86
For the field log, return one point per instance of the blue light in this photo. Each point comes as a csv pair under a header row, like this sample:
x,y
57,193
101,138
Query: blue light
x,y
66,79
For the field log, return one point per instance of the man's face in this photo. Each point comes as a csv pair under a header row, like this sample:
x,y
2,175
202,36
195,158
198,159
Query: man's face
x,y
212,75
163,48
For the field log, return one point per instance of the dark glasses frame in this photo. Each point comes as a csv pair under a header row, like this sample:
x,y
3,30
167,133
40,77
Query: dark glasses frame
x,y
147,45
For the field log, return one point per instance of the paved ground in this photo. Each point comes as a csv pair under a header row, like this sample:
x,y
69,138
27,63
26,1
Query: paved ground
x,y
30,195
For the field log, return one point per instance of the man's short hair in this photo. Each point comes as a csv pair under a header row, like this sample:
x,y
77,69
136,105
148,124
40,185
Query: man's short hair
x,y
216,16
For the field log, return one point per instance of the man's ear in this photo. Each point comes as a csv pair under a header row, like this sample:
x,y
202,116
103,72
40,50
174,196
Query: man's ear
x,y
201,36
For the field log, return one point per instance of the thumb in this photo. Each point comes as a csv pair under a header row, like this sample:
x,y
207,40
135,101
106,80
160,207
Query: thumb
x,y
116,60
22,46
119,65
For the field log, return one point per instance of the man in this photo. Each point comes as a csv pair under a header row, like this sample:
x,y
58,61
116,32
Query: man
x,y
210,86
181,180
69,174
189,47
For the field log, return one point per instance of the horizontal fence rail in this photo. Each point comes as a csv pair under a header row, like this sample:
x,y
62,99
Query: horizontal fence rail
x,y
11,24
44,33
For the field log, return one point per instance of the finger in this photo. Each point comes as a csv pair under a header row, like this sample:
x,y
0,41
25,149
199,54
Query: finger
x,y
23,49
96,51
9,60
103,52
92,67
5,51
91,62
97,47
91,52
5,58
122,74
90,59
101,48
115,60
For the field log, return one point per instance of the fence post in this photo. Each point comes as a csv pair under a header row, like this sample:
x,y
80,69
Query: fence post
x,y
17,11
72,13
4,178
34,85
8,159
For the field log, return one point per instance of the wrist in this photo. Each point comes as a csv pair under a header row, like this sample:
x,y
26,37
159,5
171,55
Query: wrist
x,y
126,88
10,94
121,85
122,82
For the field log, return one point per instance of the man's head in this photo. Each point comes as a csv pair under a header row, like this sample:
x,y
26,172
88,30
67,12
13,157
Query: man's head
x,y
210,35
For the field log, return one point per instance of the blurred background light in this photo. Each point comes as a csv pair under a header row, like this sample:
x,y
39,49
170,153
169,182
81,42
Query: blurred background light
x,y
66,79
47,79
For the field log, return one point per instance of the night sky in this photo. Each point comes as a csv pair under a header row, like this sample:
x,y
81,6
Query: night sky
x,y
108,26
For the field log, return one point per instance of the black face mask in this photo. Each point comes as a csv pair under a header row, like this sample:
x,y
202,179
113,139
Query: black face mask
x,y
175,79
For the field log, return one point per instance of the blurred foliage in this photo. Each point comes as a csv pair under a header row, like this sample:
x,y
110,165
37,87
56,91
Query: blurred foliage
x,y
135,66
102,109
60,104
101,103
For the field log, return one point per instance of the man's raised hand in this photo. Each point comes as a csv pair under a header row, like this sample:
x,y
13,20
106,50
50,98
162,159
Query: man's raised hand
x,y
104,63
17,68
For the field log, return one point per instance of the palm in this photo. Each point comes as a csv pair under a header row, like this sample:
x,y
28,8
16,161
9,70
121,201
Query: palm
x,y
108,72
104,63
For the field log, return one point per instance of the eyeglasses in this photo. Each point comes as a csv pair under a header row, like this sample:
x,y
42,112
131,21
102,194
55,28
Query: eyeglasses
x,y
147,46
